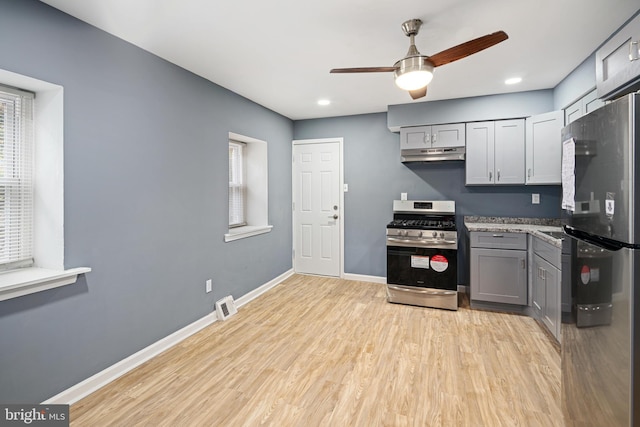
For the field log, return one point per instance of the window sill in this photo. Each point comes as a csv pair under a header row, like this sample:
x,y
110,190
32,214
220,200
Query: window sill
x,y
26,281
247,231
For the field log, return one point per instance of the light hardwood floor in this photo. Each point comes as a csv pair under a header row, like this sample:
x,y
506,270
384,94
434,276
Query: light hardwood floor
x,y
327,352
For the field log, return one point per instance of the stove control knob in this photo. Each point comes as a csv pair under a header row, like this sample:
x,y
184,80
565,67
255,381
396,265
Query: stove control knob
x,y
435,234
420,234
405,233
442,234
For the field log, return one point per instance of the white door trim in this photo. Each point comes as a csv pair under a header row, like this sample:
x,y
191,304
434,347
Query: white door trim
x,y
340,141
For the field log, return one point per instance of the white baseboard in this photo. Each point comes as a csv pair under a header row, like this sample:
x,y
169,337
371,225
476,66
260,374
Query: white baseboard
x,y
365,278
104,377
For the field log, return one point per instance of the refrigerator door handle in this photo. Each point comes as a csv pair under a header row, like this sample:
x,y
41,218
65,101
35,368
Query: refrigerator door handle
x,y
600,241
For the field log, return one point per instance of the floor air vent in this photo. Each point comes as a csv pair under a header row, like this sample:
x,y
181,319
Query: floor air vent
x,y
226,307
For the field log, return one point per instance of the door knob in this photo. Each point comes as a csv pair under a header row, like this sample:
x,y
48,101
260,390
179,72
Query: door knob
x,y
335,216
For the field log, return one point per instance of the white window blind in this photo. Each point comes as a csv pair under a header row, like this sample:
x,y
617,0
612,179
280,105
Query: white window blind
x,y
16,178
236,184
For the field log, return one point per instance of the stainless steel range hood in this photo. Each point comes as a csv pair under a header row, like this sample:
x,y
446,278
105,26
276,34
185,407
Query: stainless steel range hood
x,y
432,154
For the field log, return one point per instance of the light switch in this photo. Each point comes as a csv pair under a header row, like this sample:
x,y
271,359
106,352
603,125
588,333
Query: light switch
x,y
346,188
403,196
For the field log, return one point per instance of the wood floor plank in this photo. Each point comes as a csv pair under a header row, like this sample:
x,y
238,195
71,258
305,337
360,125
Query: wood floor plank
x,y
319,351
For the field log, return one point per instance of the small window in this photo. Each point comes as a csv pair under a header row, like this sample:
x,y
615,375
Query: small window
x,y
237,189
16,178
248,188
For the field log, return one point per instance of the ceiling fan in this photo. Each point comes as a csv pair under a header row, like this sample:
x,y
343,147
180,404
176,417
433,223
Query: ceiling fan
x,y
414,72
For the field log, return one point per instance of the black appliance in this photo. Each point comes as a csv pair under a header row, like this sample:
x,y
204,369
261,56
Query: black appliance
x,y
422,254
601,212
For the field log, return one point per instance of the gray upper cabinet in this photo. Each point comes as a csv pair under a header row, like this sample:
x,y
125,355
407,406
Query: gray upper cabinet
x,y
583,106
544,148
590,102
618,61
495,152
573,112
509,153
449,135
479,163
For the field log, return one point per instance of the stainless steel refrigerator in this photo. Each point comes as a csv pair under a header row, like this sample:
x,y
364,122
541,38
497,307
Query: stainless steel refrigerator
x,y
601,213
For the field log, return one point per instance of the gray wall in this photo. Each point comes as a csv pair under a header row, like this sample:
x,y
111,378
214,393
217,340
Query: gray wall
x,y
578,83
145,202
376,177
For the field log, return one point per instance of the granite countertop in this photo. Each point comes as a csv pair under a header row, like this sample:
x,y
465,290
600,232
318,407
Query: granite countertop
x,y
533,226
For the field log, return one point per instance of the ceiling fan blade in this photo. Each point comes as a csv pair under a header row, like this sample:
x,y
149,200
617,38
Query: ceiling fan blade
x,y
418,93
364,70
469,48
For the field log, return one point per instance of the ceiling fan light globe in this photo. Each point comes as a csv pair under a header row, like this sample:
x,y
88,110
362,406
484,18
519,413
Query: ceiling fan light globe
x,y
413,73
414,80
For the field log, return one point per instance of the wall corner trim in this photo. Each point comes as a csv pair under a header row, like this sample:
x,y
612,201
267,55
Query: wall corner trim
x,y
113,372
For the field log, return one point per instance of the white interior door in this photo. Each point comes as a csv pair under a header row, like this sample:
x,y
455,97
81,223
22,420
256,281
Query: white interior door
x,y
317,207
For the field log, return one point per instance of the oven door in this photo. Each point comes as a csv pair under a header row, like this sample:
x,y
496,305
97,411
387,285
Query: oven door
x,y
434,268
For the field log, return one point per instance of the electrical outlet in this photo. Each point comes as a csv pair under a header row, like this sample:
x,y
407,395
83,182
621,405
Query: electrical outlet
x,y
403,196
535,199
209,285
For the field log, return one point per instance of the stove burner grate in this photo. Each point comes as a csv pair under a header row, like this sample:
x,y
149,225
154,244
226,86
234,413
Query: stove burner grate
x,y
424,224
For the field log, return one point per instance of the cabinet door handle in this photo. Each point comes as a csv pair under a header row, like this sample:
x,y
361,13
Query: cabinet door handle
x,y
427,138
490,175
522,261
498,174
497,235
633,51
529,173
433,138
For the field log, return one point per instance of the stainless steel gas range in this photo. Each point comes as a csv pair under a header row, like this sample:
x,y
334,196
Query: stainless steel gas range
x,y
422,254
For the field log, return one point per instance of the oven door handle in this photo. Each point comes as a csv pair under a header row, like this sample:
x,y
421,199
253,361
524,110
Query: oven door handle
x,y
421,291
392,241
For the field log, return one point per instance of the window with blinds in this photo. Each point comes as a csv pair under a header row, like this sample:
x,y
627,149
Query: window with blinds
x,y
237,186
16,178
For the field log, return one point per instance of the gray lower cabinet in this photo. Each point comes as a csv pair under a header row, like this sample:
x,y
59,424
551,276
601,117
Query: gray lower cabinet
x,y
498,267
546,286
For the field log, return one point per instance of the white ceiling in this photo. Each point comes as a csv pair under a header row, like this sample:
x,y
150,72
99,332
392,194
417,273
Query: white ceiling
x,y
278,53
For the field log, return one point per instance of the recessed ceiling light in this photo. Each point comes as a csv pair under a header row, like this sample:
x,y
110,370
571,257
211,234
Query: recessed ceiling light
x,y
324,102
513,80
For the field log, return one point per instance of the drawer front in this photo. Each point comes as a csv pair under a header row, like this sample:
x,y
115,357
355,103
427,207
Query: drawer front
x,y
498,240
547,252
